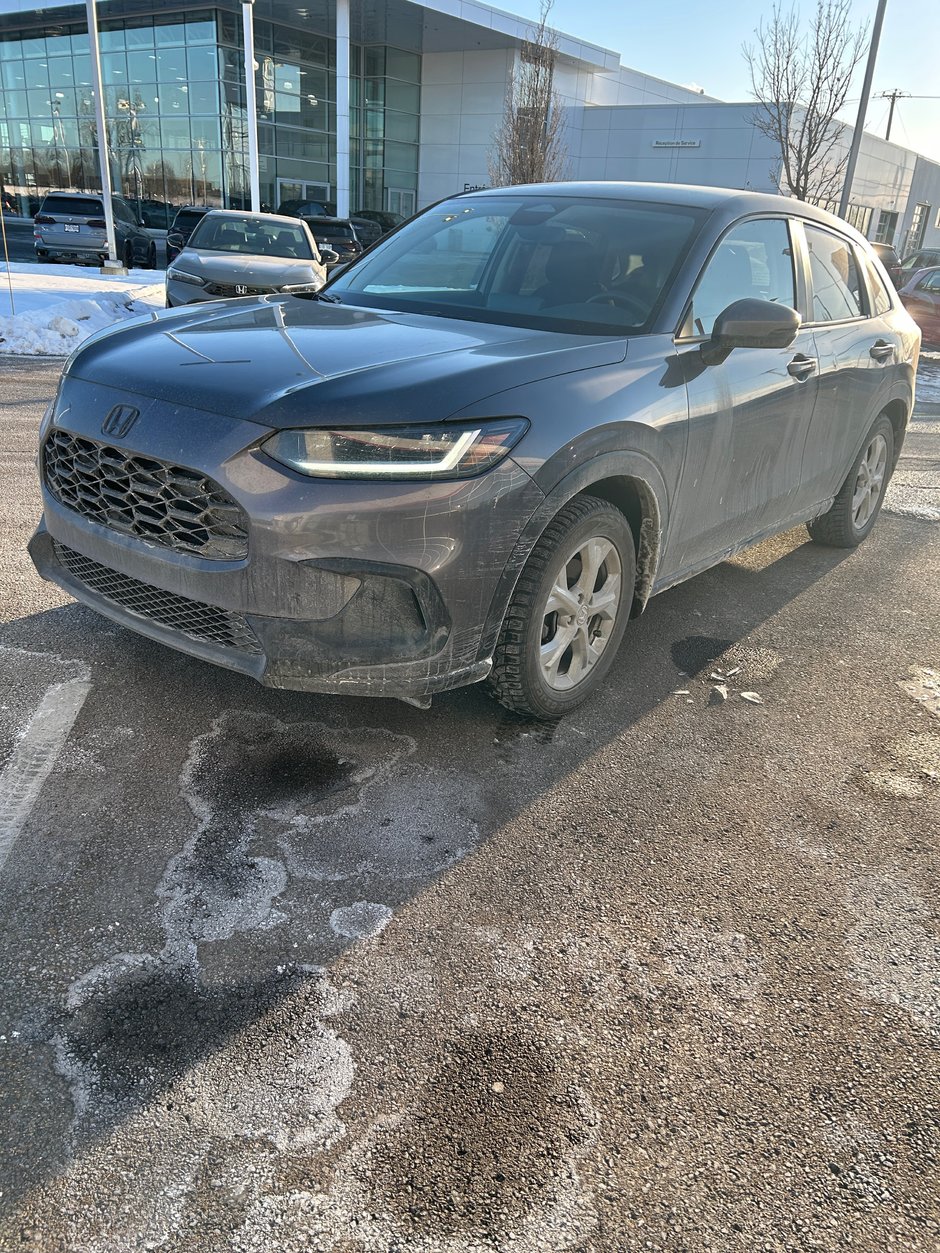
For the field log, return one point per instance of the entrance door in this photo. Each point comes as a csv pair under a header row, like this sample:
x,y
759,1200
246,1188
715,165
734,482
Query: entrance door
x,y
400,200
297,189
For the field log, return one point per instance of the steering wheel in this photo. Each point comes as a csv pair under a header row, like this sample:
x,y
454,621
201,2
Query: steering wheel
x,y
622,300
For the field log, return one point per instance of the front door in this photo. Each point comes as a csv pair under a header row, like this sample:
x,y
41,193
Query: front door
x,y
750,414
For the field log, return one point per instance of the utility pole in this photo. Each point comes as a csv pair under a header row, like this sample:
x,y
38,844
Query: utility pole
x,y
251,100
862,109
893,96
104,151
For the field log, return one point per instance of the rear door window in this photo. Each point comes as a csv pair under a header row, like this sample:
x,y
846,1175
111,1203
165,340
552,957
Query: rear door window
x,y
837,285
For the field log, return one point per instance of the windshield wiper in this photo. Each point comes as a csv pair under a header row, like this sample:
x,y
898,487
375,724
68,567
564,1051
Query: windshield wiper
x,y
327,298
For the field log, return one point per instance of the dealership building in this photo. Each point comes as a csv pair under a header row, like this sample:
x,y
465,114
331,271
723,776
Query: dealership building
x,y
418,88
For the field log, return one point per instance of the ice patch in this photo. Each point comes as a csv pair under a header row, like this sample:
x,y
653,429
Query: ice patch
x,y
361,920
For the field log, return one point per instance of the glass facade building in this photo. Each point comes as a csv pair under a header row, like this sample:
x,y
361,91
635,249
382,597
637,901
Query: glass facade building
x,y
174,96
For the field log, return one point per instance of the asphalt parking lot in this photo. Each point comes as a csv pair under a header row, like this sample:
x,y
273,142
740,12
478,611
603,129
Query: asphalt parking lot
x,y
287,972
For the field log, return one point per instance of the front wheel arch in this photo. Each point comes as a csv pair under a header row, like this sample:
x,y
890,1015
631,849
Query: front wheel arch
x,y
632,483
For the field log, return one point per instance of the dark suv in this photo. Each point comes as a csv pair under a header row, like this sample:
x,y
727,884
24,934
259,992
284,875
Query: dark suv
x,y
185,222
480,450
336,233
70,226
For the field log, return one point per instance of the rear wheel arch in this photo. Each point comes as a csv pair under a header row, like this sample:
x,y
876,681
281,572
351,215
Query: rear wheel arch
x,y
898,412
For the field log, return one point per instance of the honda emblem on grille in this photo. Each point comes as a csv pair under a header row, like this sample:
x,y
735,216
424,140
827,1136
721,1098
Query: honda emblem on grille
x,y
120,420
241,289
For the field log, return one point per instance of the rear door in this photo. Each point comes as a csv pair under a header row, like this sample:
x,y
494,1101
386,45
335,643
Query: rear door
x,y
750,414
858,350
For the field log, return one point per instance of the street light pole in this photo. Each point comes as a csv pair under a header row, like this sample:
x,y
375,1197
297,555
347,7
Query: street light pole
x,y
251,99
104,157
862,109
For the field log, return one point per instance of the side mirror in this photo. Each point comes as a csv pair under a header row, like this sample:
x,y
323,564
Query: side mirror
x,y
751,324
327,255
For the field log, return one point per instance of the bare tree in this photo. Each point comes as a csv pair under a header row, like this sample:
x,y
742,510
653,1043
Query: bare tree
x,y
529,146
801,81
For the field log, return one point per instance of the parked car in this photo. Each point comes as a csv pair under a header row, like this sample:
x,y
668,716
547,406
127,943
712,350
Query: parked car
x,y
183,226
386,221
921,297
230,253
367,231
480,450
336,233
890,260
70,226
310,208
918,261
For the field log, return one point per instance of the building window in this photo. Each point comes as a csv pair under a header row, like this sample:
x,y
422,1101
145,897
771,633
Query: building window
x,y
887,225
859,216
915,236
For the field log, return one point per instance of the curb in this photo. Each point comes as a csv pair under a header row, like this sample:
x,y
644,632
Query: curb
x,y
926,408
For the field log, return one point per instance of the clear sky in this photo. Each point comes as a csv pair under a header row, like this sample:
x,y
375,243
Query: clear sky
x,y
692,41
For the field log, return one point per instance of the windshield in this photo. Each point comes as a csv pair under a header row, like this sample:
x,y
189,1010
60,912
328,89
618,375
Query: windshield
x,y
563,263
77,206
249,235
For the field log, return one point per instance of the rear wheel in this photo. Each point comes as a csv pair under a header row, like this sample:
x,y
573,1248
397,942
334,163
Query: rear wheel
x,y
127,257
568,613
152,257
855,510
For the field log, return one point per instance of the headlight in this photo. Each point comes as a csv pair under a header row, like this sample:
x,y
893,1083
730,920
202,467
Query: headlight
x,y
181,276
298,289
397,452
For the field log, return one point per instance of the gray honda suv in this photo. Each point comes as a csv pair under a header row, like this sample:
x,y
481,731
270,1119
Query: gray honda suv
x,y
479,451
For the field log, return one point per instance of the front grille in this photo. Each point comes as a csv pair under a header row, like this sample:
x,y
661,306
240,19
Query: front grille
x,y
152,500
228,289
191,617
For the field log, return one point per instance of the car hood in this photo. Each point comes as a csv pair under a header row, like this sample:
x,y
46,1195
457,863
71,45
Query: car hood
x,y
253,271
282,361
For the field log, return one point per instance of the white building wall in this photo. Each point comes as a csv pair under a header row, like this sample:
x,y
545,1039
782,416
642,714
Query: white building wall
x,y
462,100
711,144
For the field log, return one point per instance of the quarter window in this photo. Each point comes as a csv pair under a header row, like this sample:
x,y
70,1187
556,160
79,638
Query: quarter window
x,y
754,260
837,288
880,300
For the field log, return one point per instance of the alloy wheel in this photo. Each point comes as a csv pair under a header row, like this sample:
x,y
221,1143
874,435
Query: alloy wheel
x,y
580,613
870,481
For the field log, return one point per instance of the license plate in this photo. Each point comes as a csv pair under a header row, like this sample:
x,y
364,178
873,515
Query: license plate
x,y
70,229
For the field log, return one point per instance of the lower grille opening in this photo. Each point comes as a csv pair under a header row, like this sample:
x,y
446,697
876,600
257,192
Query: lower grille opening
x,y
199,621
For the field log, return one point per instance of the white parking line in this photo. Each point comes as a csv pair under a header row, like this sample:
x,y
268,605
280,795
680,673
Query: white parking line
x,y
34,756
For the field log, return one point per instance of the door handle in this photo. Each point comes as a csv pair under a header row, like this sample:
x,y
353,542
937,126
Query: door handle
x,y
802,367
881,350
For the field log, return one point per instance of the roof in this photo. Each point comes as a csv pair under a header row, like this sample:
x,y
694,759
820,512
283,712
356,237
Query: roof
x,y
731,200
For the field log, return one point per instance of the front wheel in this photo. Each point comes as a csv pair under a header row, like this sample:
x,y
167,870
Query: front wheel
x,y
855,510
568,612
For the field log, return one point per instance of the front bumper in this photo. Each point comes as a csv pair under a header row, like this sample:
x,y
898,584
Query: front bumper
x,y
378,589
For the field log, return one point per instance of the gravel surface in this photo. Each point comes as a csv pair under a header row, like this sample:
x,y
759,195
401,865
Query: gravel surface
x,y
284,972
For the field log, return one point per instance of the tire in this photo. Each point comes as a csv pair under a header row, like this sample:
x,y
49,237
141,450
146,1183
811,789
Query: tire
x,y
127,256
151,263
853,513
547,685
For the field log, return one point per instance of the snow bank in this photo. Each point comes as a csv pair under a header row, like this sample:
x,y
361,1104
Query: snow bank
x,y
58,306
928,379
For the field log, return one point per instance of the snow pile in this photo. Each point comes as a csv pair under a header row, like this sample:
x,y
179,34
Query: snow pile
x,y
58,306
